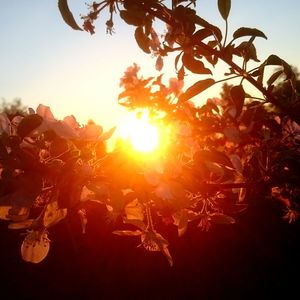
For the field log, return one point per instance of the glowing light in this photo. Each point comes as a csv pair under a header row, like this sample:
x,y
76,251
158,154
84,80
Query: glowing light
x,y
140,132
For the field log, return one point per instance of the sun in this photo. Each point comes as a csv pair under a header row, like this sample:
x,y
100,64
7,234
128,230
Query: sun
x,y
142,134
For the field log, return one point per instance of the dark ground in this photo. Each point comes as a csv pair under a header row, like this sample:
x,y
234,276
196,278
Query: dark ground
x,y
257,258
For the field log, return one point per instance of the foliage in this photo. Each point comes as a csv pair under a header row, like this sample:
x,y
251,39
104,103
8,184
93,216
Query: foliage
x,y
218,157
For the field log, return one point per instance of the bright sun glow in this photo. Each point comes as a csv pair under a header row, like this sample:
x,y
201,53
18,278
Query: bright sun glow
x,y
140,132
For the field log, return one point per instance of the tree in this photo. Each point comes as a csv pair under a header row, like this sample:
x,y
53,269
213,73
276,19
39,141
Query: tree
x,y
218,158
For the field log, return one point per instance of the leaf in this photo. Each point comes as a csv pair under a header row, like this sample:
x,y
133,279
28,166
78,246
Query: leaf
x,y
35,247
18,214
216,169
273,60
133,17
134,210
159,63
245,31
274,77
138,223
181,221
28,124
67,15
4,212
237,94
127,232
168,256
21,225
196,89
246,50
142,40
212,156
224,8
53,214
107,135
201,34
215,30
194,65
220,218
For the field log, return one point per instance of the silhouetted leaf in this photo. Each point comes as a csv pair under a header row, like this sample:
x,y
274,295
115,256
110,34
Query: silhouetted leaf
x,y
28,124
246,50
274,77
273,60
213,156
196,89
201,35
67,15
194,65
237,94
245,31
224,8
142,40
132,17
215,30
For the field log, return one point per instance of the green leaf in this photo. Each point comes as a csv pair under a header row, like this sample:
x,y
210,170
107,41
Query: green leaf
x,y
224,8
67,15
237,94
194,65
196,89
245,31
142,40
28,124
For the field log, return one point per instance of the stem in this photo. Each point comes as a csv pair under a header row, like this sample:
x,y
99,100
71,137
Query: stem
x,y
226,79
226,33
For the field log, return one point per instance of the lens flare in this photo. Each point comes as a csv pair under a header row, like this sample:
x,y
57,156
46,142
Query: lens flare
x,y
140,132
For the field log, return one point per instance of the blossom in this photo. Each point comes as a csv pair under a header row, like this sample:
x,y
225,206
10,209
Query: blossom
x,y
61,128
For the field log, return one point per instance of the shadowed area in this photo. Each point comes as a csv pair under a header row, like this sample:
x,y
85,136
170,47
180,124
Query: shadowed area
x,y
255,258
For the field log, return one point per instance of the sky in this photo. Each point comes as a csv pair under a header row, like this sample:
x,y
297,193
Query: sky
x,y
44,61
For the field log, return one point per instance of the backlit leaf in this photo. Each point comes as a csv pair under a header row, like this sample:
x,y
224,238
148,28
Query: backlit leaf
x,y
21,225
134,210
194,65
142,40
127,232
4,212
67,15
196,89
274,77
53,214
35,247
